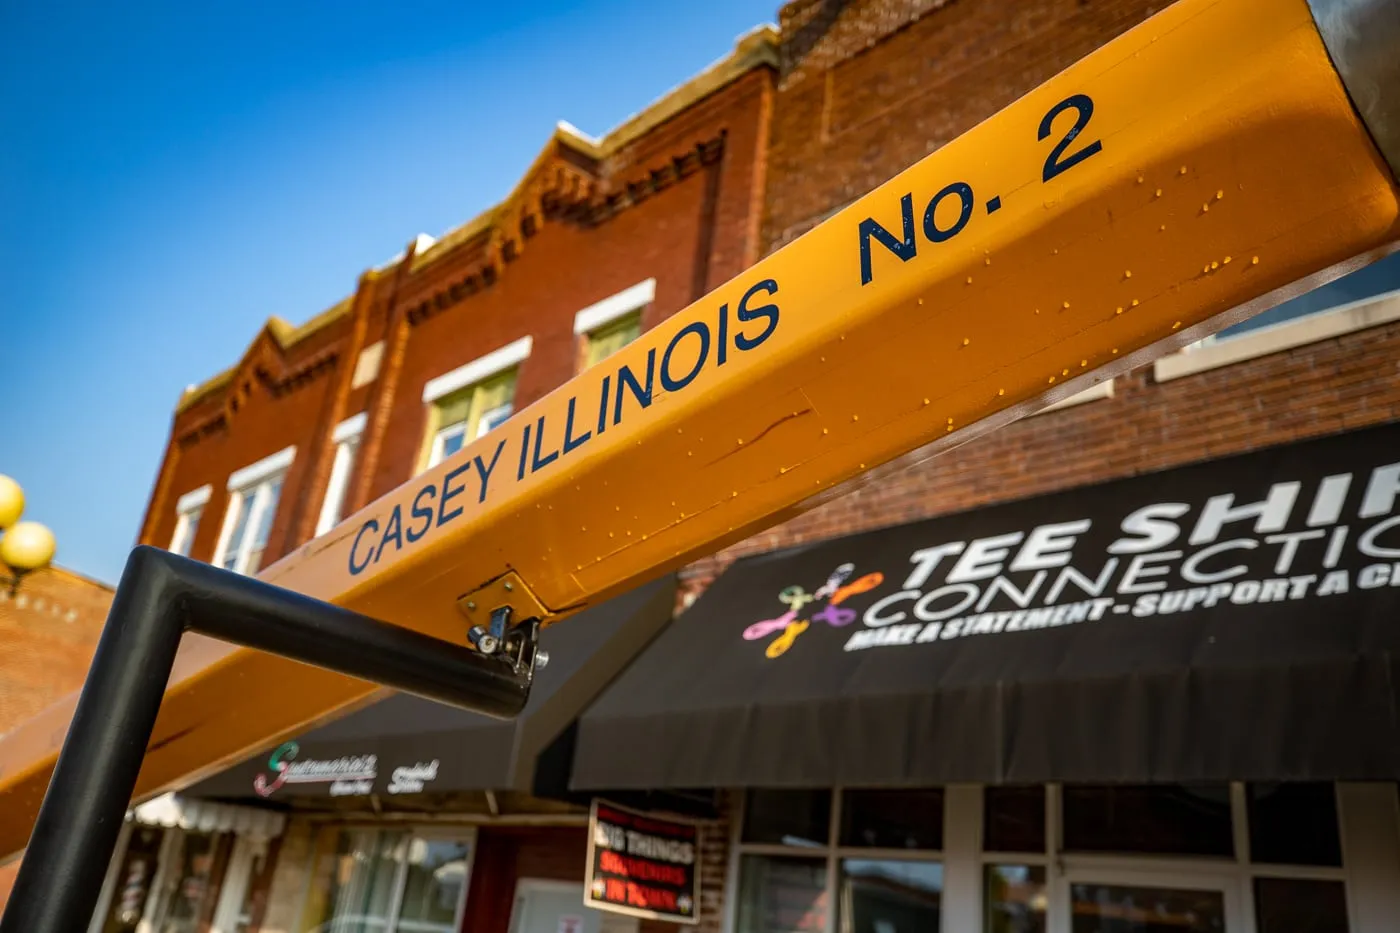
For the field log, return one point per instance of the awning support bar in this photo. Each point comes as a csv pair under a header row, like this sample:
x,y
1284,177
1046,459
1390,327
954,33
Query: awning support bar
x,y
161,596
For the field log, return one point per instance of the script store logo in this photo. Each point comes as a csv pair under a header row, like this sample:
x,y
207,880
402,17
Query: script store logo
x,y
351,775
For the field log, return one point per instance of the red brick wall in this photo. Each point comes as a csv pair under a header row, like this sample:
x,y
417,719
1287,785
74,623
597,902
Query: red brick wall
x,y
1323,388
276,400
691,230
871,86
849,115
506,854
48,632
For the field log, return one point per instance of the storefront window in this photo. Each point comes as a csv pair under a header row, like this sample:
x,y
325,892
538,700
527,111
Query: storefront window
x,y
1297,905
202,862
390,881
1294,824
1044,867
1105,908
135,876
885,896
780,894
788,817
892,819
435,885
1014,819
1156,819
1016,899
794,875
362,888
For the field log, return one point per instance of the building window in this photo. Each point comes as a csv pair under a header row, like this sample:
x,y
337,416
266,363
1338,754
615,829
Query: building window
x,y
1364,284
188,509
1366,298
390,881
1147,857
1157,819
873,857
469,413
253,496
346,438
466,403
611,324
602,343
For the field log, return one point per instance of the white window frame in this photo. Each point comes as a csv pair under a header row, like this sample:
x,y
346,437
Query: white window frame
x,y
187,507
254,479
1092,394
831,855
346,438
464,377
1213,352
414,831
478,370
1368,820
601,313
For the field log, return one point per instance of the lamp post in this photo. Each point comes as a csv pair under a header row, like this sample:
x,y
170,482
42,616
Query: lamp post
x,y
24,546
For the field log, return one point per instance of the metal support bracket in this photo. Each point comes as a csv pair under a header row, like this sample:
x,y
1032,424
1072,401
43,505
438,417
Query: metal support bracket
x,y
161,597
518,644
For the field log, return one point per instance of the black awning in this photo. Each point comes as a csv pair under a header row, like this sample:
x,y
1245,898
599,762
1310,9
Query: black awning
x,y
406,745
1234,619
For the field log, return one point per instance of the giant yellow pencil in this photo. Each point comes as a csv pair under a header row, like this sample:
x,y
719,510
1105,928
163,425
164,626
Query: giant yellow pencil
x,y
1202,167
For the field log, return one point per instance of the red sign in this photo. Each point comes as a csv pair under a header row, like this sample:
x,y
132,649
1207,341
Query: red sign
x,y
642,865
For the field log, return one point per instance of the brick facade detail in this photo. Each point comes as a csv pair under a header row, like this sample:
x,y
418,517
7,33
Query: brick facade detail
x,y
869,87
675,202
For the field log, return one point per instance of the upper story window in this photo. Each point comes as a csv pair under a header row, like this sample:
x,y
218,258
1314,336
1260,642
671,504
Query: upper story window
x,y
188,509
1366,298
347,443
254,492
611,324
471,400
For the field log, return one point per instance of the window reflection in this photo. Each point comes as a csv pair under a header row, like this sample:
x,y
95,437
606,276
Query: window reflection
x,y
1296,905
1158,819
886,896
1016,899
1104,908
782,895
435,882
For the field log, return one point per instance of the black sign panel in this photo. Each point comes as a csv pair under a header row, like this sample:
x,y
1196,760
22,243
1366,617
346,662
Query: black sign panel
x,y
642,865
1233,619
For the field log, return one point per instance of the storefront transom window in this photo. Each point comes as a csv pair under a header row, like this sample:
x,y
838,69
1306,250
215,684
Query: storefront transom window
x,y
389,881
1221,858
857,861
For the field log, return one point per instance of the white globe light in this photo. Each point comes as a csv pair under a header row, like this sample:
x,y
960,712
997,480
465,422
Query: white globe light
x,y
11,502
27,546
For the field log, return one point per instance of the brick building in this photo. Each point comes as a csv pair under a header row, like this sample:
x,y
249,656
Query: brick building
x,y
48,632
600,240
447,339
865,808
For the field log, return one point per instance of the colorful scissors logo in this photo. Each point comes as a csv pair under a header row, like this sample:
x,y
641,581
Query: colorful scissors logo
x,y
795,621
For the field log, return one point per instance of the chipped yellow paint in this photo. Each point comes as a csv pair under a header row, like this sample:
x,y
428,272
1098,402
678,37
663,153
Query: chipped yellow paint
x,y
1207,96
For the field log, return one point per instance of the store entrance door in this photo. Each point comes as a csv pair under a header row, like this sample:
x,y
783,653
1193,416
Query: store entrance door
x,y
552,907
1108,901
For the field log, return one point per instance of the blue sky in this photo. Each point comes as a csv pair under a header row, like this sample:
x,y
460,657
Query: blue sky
x,y
173,174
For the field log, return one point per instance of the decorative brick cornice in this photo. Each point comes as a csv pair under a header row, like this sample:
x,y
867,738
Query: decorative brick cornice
x,y
560,192
267,366
569,182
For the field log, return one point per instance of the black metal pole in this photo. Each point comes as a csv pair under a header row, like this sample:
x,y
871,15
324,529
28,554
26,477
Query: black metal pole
x,y
161,596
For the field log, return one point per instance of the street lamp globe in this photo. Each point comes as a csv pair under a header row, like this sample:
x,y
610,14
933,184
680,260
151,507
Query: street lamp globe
x,y
11,502
27,546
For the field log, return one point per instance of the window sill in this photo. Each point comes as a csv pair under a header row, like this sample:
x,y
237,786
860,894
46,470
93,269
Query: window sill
x,y
1324,325
493,363
1091,394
